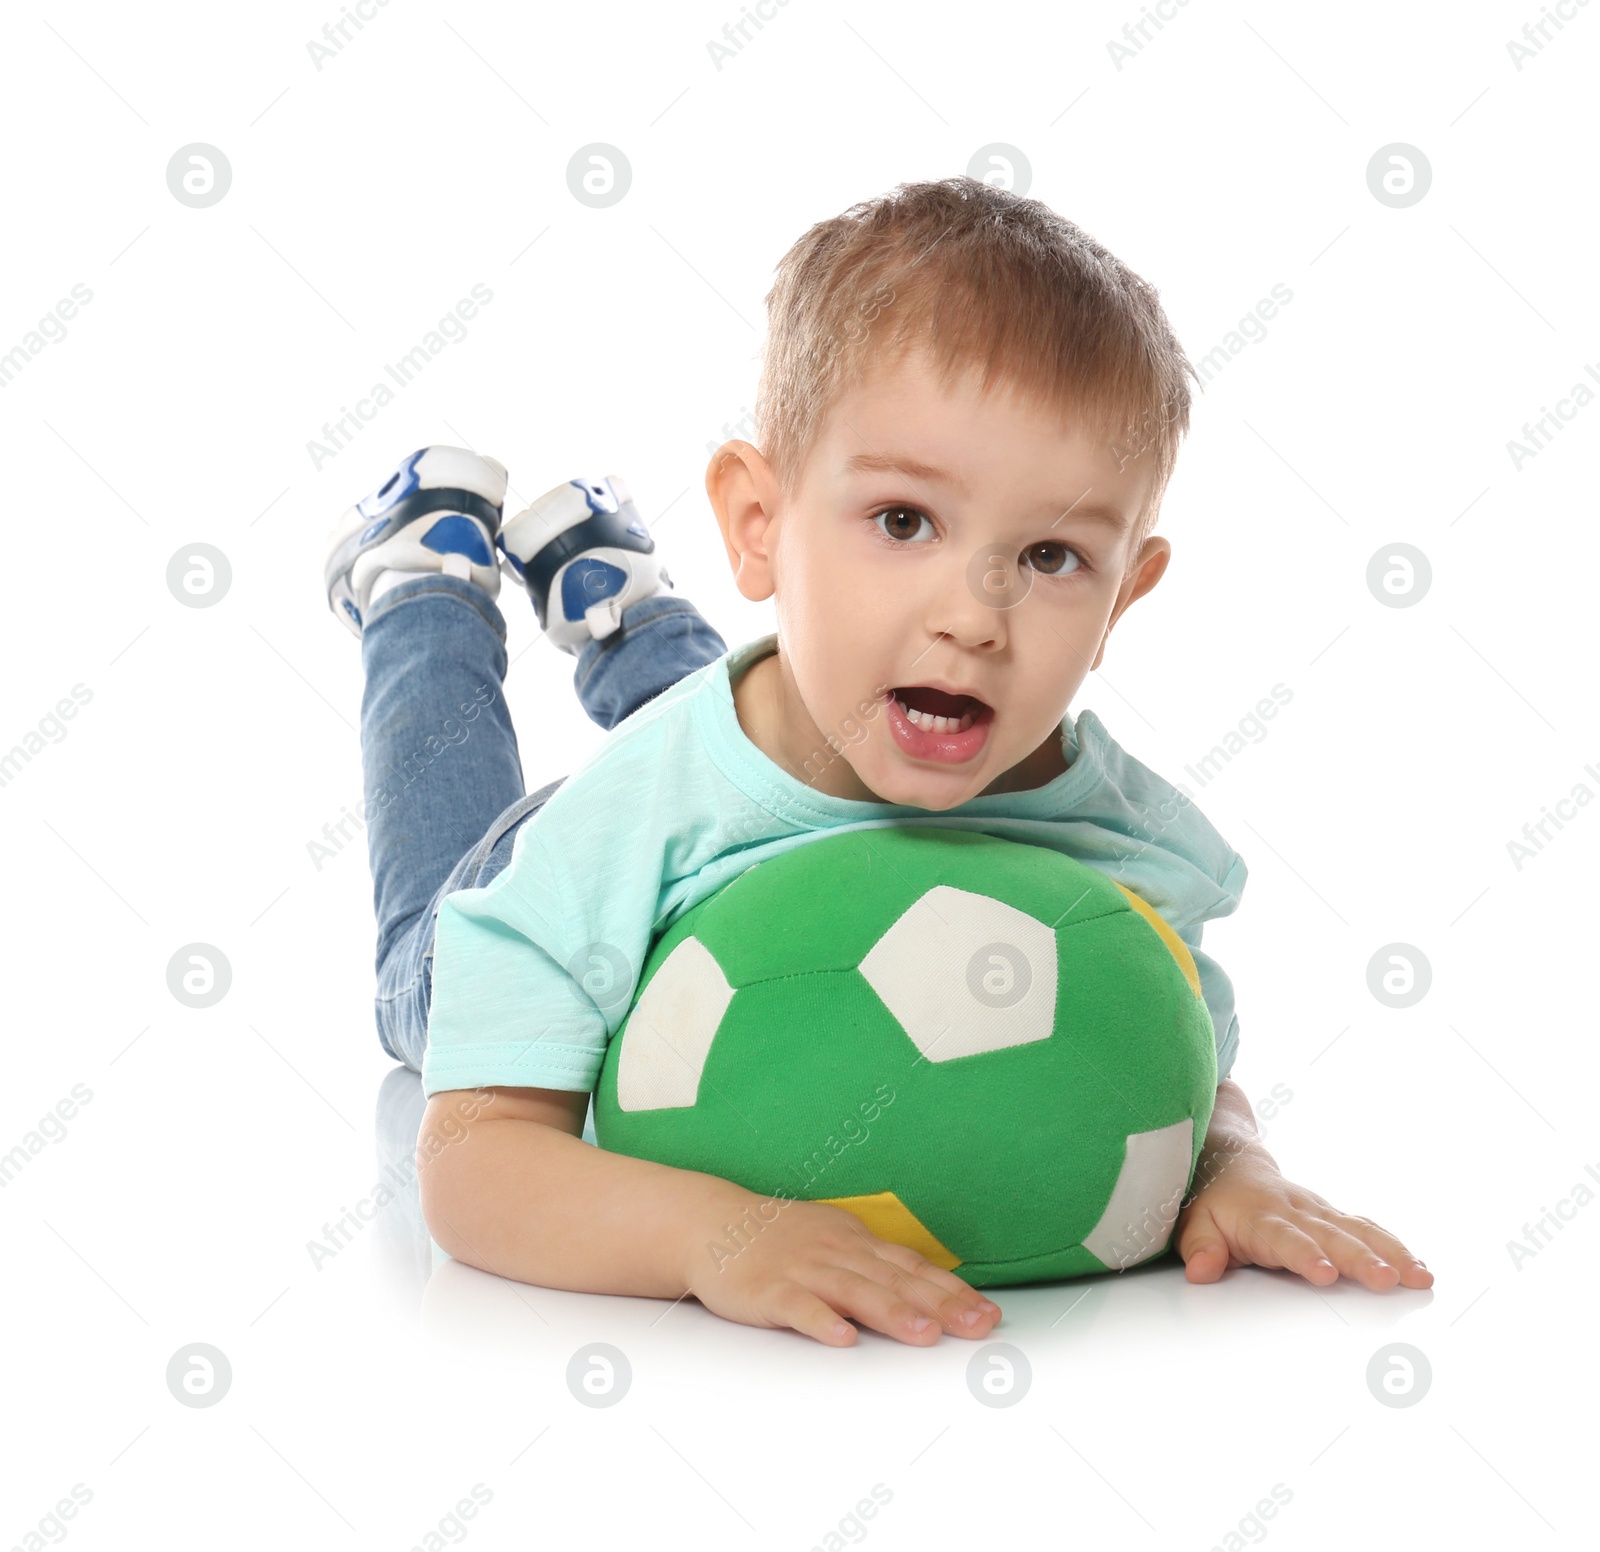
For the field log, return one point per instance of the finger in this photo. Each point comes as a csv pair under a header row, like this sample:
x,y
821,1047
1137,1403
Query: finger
x,y
941,1292
796,1307
958,1306
919,1265
1353,1256
1383,1244
1278,1242
1203,1247
872,1303
1205,1259
949,1310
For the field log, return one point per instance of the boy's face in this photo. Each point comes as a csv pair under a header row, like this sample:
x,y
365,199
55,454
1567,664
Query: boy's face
x,y
936,539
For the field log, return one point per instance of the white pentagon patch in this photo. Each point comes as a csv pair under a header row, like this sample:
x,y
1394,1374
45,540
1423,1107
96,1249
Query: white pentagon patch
x,y
1138,1220
965,973
669,1032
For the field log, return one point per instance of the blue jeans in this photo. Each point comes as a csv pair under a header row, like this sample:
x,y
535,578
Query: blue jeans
x,y
442,774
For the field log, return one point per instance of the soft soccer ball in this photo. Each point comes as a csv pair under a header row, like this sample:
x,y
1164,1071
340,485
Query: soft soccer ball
x,y
985,1050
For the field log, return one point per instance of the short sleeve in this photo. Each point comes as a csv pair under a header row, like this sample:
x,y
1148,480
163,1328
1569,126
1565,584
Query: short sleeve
x,y
504,1010
1217,990
533,972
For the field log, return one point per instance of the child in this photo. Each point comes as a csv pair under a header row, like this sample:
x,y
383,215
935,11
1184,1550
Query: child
x,y
968,414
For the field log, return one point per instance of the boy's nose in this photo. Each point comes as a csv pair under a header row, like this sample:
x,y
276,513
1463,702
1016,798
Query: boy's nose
x,y
996,578
973,606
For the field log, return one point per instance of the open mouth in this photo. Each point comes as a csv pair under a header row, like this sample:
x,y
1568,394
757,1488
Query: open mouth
x,y
934,711
930,724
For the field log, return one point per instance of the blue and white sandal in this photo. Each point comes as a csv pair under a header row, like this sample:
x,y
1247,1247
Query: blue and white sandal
x,y
584,555
439,511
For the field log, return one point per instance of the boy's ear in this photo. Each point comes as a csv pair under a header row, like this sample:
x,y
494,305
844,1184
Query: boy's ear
x,y
1142,576
742,491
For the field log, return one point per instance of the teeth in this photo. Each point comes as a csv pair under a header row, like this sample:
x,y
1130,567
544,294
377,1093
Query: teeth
x,y
932,724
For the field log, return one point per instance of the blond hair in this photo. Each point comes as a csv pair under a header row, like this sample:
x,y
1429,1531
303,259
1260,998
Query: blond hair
x,y
980,277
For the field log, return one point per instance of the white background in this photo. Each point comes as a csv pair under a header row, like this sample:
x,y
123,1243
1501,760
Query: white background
x,y
368,197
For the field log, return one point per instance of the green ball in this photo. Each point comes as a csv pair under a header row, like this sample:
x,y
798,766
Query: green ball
x,y
984,1049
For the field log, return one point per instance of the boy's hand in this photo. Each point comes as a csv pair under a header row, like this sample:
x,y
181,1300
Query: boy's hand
x,y
813,1263
1248,1214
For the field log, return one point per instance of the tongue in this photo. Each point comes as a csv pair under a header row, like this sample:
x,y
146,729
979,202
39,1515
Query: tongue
x,y
922,697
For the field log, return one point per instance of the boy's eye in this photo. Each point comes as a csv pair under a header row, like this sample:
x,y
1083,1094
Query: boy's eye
x,y
1049,557
902,523
1053,558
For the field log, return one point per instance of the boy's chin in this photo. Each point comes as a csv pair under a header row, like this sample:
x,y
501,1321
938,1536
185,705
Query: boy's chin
x,y
903,782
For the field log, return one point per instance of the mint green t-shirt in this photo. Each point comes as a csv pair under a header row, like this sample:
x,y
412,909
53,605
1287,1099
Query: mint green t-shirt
x,y
531,972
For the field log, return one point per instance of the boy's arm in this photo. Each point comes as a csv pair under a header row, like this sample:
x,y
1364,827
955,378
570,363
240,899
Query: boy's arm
x,y
509,1185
